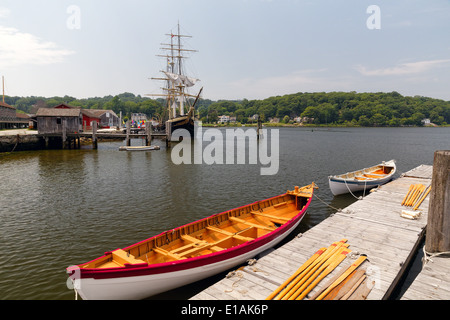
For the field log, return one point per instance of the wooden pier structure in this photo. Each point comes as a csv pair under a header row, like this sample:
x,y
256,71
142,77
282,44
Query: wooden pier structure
x,y
73,140
372,227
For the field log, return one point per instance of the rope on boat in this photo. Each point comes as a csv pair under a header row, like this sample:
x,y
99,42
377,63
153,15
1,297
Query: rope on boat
x,y
358,198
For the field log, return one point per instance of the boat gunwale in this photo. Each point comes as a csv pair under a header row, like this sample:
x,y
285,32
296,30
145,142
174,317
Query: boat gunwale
x,y
129,270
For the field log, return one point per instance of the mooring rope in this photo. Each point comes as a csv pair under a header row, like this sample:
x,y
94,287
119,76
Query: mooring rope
x,y
358,198
339,210
427,256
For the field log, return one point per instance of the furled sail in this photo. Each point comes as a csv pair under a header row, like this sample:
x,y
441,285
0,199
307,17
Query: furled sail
x,y
179,79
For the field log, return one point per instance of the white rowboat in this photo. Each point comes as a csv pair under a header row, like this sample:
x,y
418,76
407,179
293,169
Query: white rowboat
x,y
363,179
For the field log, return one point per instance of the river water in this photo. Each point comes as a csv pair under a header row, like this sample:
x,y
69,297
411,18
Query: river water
x,y
64,207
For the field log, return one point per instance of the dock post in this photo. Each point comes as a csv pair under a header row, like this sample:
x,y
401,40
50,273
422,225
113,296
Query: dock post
x,y
94,135
168,133
148,129
438,223
64,133
128,133
259,128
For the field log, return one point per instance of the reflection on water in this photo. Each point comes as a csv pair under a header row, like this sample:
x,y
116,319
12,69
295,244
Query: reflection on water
x,y
65,207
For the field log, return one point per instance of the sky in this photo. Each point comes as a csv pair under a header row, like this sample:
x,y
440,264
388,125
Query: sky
x,y
247,49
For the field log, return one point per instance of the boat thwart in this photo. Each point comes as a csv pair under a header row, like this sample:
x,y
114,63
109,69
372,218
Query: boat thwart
x,y
192,252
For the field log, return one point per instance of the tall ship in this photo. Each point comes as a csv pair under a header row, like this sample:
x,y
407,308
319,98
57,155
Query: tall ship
x,y
179,103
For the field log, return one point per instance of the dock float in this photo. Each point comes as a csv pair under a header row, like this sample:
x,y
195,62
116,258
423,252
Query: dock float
x,y
373,226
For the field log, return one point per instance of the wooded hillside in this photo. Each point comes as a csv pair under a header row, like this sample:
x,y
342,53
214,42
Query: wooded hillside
x,y
342,108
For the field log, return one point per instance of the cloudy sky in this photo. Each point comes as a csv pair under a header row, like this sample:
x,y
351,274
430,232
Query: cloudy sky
x,y
250,49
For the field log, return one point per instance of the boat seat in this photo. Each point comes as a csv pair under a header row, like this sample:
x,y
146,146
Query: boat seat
x,y
216,248
280,204
374,175
189,238
251,224
269,216
168,253
201,247
190,245
120,256
214,229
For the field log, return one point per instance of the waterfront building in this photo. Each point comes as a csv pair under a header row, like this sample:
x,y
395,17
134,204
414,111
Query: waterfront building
x,y
10,119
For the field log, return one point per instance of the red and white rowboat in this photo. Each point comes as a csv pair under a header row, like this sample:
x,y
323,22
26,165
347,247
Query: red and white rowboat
x,y
192,252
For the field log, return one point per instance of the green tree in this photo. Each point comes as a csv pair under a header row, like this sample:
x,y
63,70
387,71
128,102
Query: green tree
x,y
364,121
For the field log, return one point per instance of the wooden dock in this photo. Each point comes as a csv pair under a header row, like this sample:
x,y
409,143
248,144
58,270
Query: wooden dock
x,y
372,226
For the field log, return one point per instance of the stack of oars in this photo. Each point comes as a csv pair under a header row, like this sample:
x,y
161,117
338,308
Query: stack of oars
x,y
316,268
415,196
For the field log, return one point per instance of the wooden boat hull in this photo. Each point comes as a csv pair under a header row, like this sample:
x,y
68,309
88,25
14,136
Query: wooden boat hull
x,y
364,179
140,279
138,148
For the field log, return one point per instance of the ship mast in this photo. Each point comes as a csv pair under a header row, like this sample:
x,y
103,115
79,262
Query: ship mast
x,y
176,80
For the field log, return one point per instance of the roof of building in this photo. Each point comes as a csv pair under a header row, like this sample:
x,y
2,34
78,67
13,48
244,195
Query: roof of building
x,y
99,112
52,112
3,104
86,112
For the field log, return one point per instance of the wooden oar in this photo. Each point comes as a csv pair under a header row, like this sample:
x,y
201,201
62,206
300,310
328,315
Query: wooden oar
x,y
287,292
303,276
308,286
354,265
407,194
419,195
299,270
327,284
423,197
362,291
332,295
353,288
354,279
410,193
416,195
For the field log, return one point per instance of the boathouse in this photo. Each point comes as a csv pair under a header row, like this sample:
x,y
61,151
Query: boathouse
x,y
88,116
57,121
108,118
10,119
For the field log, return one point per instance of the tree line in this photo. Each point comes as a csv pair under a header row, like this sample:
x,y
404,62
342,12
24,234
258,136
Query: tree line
x,y
321,108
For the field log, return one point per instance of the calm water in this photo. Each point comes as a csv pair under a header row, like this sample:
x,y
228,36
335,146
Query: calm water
x,y
60,208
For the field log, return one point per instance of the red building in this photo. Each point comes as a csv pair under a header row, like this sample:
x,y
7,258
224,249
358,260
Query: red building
x,y
88,117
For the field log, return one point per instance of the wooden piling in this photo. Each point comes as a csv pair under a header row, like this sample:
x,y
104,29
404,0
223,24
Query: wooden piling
x,y
148,131
128,141
168,133
438,223
259,129
64,133
94,135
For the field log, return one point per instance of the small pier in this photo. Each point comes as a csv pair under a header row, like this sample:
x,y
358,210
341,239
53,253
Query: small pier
x,y
373,227
73,140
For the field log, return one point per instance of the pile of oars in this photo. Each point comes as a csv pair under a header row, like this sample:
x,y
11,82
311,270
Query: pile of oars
x,y
415,196
346,285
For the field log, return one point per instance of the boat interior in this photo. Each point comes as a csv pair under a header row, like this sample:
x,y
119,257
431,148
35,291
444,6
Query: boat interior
x,y
213,234
372,173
